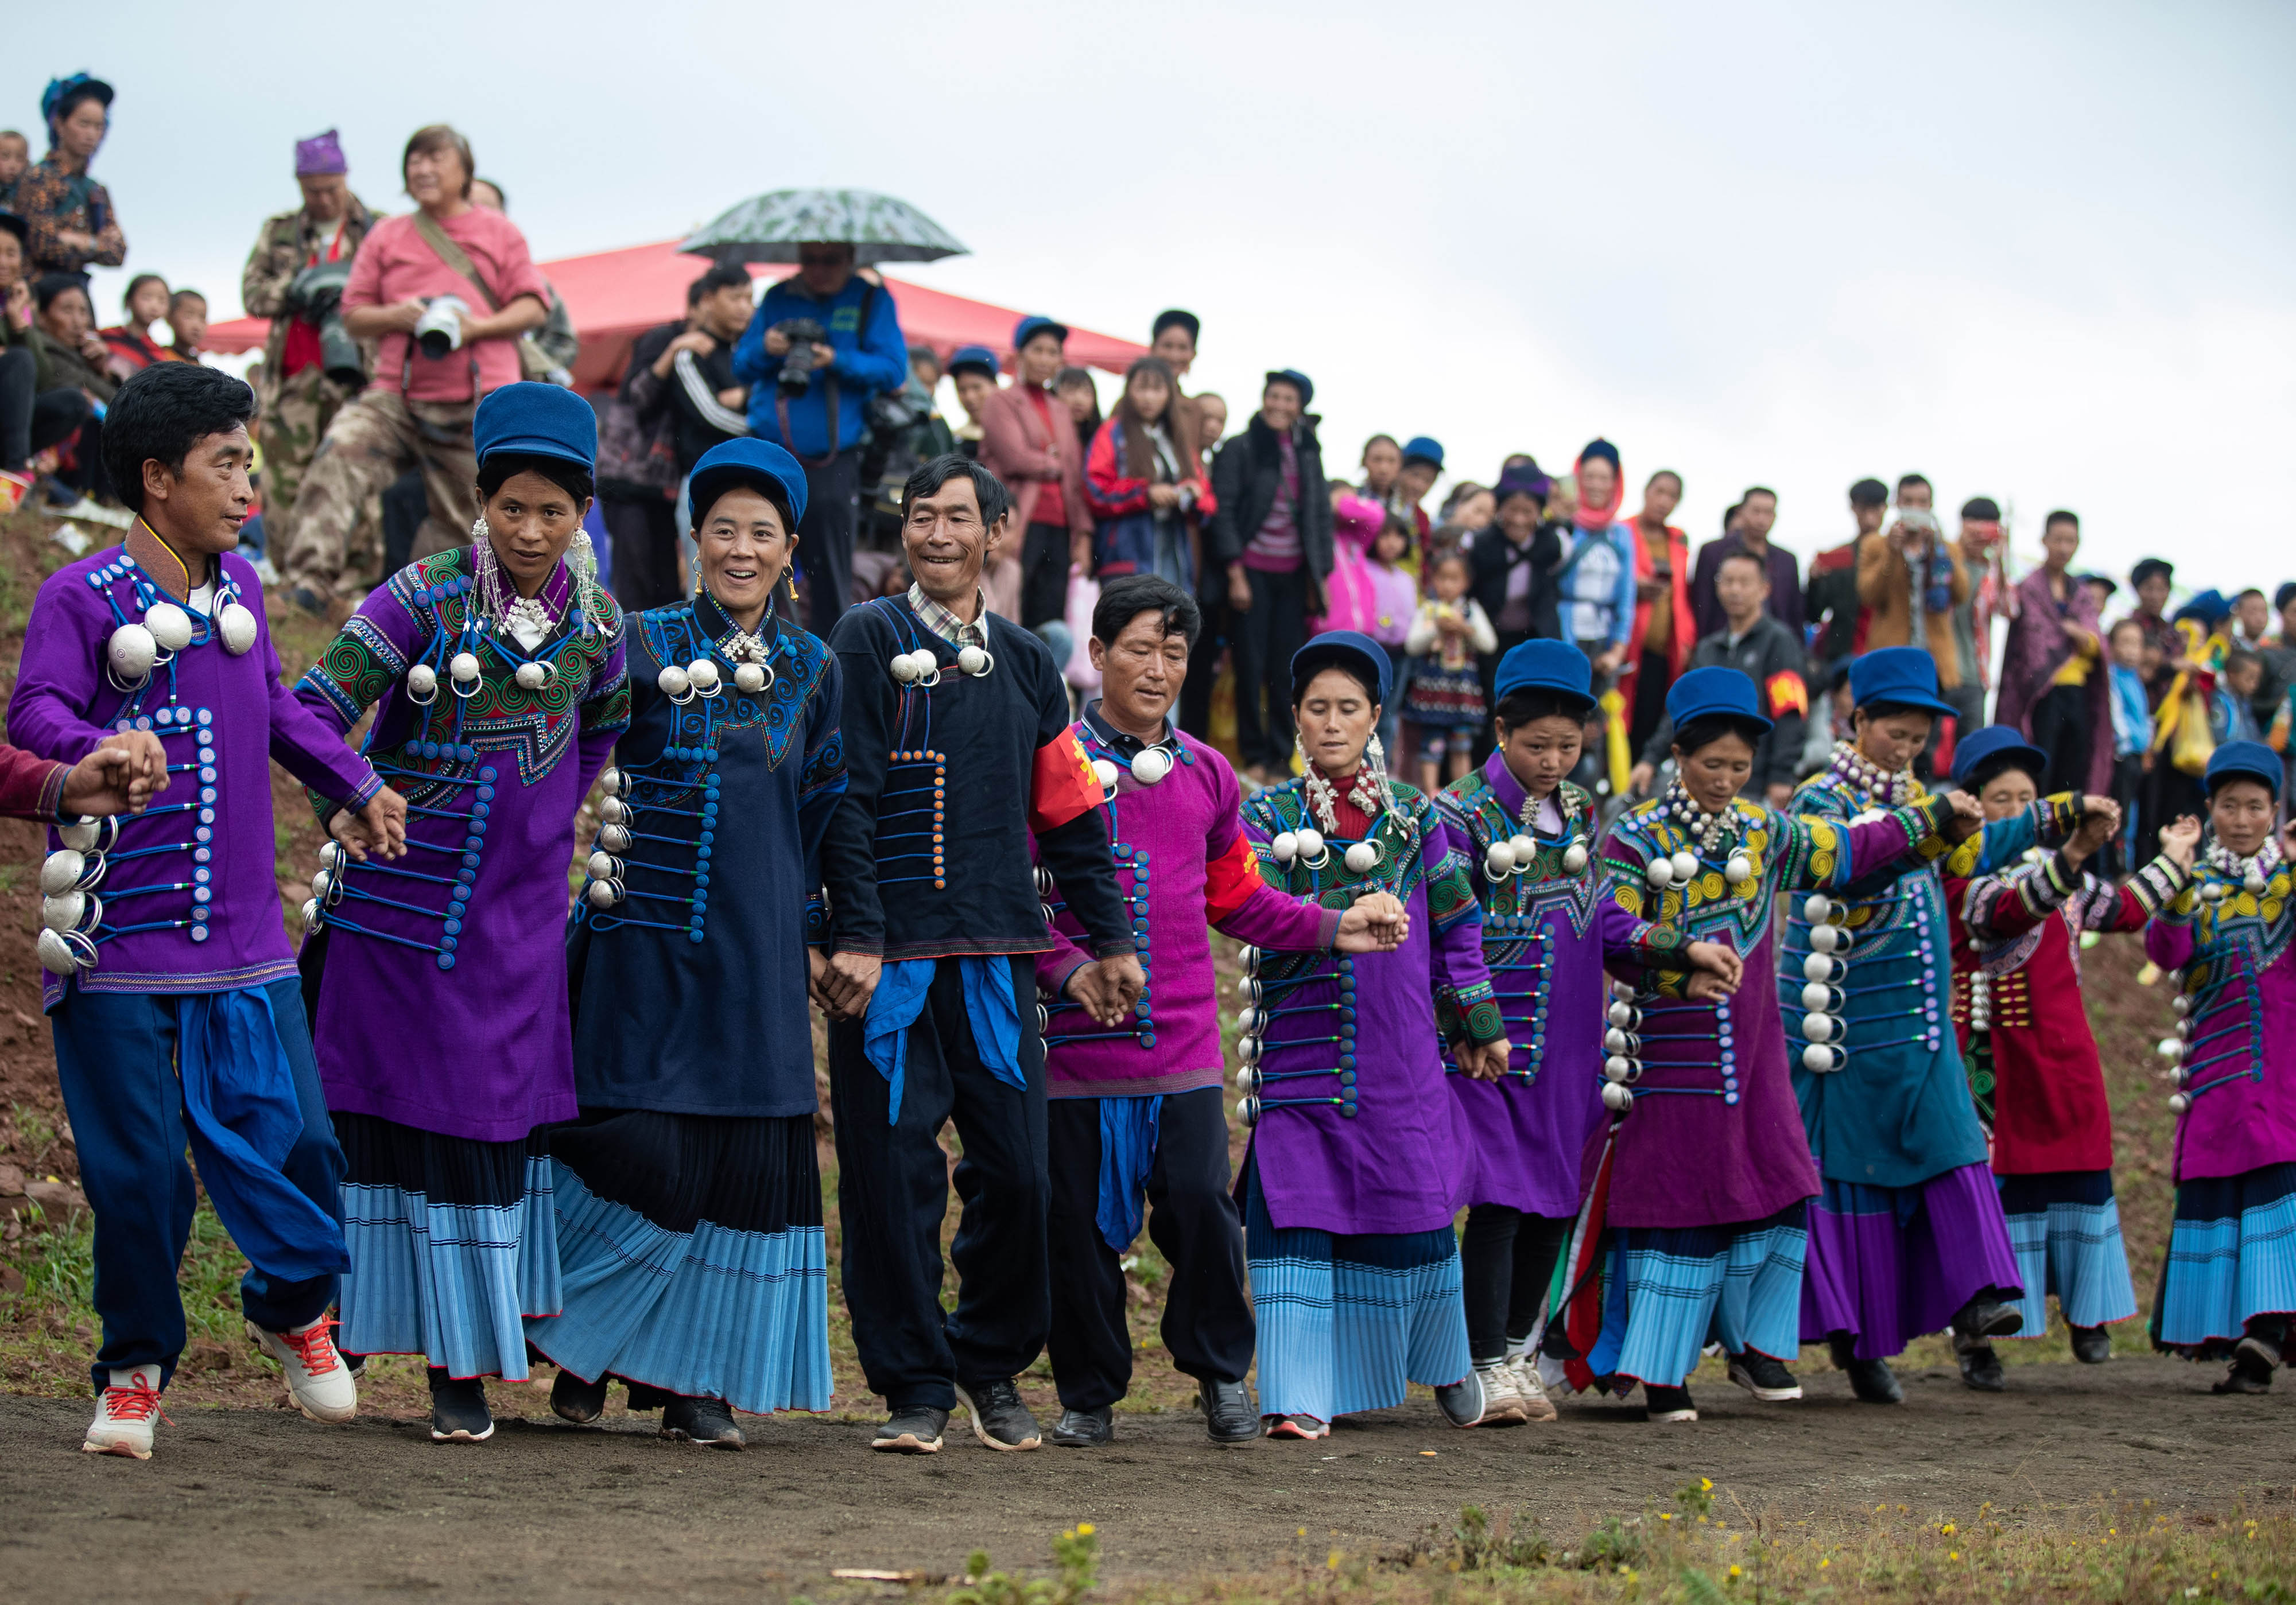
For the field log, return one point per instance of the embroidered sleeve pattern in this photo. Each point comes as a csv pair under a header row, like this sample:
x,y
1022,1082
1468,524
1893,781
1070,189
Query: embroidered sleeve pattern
x,y
1230,879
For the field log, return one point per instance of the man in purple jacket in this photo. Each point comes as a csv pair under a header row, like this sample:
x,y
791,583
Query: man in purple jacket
x,y
171,989
1135,1109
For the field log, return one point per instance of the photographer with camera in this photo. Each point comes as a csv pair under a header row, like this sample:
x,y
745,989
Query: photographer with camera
x,y
824,345
447,289
295,277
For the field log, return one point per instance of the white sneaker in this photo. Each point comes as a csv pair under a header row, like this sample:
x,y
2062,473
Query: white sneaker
x,y
1536,1405
1502,1398
125,1414
317,1380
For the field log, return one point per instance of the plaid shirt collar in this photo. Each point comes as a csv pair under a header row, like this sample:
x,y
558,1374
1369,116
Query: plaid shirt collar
x,y
947,625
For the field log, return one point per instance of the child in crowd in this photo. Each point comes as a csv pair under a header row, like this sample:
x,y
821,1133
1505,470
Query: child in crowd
x,y
187,319
15,155
2232,709
2132,737
1446,699
145,304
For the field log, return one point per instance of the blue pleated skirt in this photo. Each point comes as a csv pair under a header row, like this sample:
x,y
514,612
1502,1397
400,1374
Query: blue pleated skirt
x,y
2232,1254
453,1244
692,1259
2065,1228
1668,1292
1347,1322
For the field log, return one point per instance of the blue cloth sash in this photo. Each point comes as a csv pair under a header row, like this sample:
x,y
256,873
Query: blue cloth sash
x,y
1128,1152
238,1091
902,985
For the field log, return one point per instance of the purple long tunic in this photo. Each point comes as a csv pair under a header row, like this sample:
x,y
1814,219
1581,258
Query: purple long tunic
x,y
2238,970
1714,1136
206,848
1373,1144
478,1047
1547,932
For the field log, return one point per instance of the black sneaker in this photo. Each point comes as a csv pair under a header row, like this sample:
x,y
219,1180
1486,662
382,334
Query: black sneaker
x,y
1085,1428
1670,1404
1980,1367
571,1399
1462,1401
999,1419
1982,1317
1230,1417
2092,1345
914,1431
1874,1382
1764,1376
704,1422
458,1409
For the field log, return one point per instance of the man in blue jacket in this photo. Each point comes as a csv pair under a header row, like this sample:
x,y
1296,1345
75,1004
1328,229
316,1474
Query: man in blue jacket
x,y
861,354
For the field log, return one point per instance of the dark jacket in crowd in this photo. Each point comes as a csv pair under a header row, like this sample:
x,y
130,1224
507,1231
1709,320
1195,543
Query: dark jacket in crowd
x,y
1247,477
1493,558
1771,656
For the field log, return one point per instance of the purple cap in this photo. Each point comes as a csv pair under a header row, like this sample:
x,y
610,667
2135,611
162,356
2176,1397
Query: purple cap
x,y
321,153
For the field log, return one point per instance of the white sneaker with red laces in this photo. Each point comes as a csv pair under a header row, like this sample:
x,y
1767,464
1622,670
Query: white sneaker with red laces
x,y
125,1414
317,1380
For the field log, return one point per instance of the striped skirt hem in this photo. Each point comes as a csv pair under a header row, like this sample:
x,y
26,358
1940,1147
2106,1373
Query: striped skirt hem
x,y
2232,1257
2065,1231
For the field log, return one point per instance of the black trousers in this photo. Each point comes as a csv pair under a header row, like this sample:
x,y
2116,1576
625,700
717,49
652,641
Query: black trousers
x,y
406,504
1262,641
2168,794
1506,1258
645,550
32,420
825,552
1195,1227
2061,728
1653,678
892,1193
1204,662
1044,574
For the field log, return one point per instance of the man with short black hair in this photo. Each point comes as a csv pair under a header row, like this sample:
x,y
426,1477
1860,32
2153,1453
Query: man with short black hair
x,y
958,754
1138,1107
1831,600
1273,530
1173,338
858,354
177,1009
1750,532
1981,554
463,275
1755,643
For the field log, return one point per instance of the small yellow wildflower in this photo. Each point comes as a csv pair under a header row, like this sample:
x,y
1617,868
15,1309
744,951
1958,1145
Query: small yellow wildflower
x,y
1702,1521
1823,1562
1946,1529
1084,1529
1302,1533
1666,1515
1953,1555
1735,1572
1331,1563
1706,1485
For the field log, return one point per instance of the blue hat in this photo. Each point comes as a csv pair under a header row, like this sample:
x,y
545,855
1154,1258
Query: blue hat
x,y
1904,674
1350,650
2208,608
1980,746
1526,480
1422,448
743,461
1294,378
2243,760
1549,666
54,95
978,358
536,420
1713,692
1035,324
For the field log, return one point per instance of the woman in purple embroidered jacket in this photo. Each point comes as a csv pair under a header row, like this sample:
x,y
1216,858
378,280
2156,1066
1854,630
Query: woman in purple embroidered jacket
x,y
1136,1107
2228,1286
1358,1157
440,979
1547,931
170,985
1697,1197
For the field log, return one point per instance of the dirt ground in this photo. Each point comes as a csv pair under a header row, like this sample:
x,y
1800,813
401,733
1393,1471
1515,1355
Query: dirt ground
x,y
258,1505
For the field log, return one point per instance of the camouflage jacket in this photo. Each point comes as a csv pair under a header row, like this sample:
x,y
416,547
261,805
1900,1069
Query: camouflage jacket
x,y
282,250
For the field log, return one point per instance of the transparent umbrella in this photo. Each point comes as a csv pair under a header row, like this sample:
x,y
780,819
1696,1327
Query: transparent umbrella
x,y
769,228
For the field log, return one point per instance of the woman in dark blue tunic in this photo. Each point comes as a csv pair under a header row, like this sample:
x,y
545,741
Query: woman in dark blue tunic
x,y
692,1254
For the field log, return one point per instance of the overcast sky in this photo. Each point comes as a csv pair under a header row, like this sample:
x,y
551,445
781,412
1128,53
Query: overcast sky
x,y
2037,252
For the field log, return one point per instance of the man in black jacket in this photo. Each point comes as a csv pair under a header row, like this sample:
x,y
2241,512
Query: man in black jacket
x,y
1767,652
1274,532
1511,570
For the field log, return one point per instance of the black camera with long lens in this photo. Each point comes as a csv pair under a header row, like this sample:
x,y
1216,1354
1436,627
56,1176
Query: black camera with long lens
x,y
317,294
797,365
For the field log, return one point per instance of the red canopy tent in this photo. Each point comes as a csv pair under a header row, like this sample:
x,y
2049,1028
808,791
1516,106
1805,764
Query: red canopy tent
x,y
617,295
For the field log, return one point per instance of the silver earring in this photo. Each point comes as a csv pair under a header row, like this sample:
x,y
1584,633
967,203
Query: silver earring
x,y
479,530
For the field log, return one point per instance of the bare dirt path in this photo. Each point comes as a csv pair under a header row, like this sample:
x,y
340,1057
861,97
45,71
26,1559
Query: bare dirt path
x,y
257,1505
